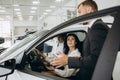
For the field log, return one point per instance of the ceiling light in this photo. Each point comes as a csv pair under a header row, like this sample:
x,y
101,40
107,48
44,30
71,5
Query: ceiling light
x,y
35,2
48,10
52,6
59,0
34,8
32,11
17,9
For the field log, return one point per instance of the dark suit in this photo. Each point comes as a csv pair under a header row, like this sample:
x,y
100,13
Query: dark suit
x,y
91,50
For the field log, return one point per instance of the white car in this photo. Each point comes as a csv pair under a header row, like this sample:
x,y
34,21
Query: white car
x,y
17,54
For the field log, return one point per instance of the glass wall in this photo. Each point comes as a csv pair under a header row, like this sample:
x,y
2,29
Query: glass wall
x,y
18,15
6,21
56,13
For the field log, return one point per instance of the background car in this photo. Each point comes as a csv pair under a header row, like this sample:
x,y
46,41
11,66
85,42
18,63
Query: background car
x,y
105,65
2,40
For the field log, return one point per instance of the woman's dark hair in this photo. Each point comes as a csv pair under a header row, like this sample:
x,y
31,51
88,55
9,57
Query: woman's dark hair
x,y
66,48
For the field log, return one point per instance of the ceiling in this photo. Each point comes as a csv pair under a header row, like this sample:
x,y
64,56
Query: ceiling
x,y
28,9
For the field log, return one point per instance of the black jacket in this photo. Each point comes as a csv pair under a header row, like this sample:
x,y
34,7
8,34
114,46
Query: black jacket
x,y
91,50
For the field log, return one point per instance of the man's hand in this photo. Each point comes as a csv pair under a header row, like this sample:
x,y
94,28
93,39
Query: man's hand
x,y
62,60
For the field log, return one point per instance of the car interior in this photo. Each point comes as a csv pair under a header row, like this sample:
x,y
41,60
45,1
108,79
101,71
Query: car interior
x,y
34,63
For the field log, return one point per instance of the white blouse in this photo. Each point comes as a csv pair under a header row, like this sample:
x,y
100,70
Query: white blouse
x,y
67,72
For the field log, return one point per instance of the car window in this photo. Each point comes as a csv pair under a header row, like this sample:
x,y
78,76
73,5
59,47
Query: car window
x,y
48,48
50,45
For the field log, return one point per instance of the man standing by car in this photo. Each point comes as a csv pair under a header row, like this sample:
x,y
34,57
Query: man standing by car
x,y
92,45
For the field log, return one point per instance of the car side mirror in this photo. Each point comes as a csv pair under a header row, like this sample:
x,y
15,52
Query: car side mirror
x,y
7,67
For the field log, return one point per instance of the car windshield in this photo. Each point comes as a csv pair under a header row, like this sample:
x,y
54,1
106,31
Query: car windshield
x,y
22,45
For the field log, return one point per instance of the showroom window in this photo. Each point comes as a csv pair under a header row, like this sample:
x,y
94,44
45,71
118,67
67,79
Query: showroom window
x,y
5,33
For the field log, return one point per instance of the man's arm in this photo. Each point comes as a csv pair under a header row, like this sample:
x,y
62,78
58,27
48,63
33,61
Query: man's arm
x,y
96,40
74,62
60,61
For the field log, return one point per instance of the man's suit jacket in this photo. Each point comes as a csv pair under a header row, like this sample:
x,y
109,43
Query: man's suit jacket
x,y
91,50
